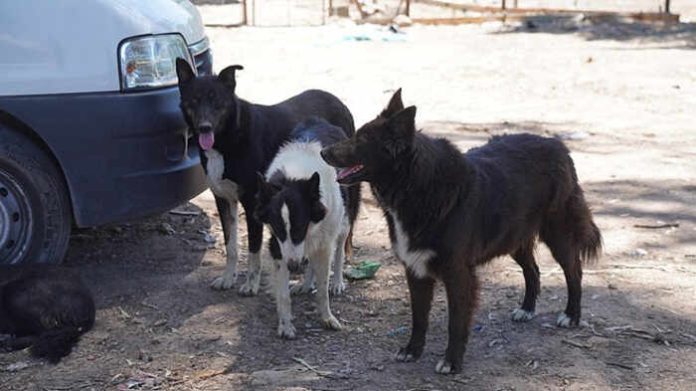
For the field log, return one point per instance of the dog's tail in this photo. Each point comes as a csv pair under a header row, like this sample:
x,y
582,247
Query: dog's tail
x,y
588,238
591,244
54,344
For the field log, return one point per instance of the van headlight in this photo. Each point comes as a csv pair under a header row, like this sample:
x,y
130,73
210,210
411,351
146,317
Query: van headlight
x,y
150,61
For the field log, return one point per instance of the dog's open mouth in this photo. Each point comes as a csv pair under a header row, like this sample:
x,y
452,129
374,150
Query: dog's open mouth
x,y
349,174
206,140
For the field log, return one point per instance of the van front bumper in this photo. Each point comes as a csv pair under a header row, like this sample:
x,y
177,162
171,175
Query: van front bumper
x,y
122,154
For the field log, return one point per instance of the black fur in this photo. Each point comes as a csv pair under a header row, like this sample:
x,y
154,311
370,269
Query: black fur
x,y
470,208
43,308
248,135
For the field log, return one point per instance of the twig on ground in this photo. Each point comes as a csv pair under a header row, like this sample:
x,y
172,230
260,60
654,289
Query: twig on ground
x,y
145,304
576,344
184,213
211,374
657,226
311,368
619,365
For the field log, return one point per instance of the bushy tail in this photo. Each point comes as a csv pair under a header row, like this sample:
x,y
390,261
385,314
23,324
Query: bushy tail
x,y
55,344
591,244
588,238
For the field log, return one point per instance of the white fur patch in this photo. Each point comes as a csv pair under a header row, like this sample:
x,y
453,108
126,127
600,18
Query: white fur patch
x,y
290,250
520,315
563,320
415,260
443,367
215,168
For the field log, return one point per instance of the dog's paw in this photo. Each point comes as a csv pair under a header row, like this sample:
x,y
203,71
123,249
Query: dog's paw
x,y
331,323
224,282
286,330
520,315
250,287
566,321
336,288
445,367
408,354
301,289
404,356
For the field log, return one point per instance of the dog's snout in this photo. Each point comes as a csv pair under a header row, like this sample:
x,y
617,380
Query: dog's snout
x,y
294,265
205,127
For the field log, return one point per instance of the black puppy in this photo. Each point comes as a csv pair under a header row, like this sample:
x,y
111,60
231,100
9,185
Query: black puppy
x,y
238,139
44,308
449,212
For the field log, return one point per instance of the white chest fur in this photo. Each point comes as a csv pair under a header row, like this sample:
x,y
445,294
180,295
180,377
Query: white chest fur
x,y
415,260
215,167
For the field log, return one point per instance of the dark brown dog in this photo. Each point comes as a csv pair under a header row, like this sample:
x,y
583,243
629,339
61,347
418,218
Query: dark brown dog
x,y
449,212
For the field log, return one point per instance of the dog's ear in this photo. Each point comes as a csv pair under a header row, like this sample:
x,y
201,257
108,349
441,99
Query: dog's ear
x,y
402,129
311,187
184,71
265,190
317,209
395,105
228,76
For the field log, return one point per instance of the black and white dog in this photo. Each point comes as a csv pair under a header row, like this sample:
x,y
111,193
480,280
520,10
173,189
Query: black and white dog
x,y
449,212
308,214
238,139
43,308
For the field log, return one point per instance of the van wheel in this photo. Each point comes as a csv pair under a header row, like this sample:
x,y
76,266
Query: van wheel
x,y
35,215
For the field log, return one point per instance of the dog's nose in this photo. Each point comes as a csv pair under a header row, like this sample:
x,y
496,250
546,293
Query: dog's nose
x,y
205,127
294,266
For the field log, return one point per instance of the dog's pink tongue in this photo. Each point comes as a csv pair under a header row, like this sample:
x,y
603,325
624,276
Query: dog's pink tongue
x,y
206,140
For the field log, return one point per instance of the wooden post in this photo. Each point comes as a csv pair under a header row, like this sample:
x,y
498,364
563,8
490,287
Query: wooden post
x,y
244,13
667,6
331,9
408,8
502,6
514,4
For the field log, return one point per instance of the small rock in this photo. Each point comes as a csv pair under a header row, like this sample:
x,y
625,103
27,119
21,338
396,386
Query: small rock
x,y
166,229
286,377
639,253
612,287
208,238
18,366
402,20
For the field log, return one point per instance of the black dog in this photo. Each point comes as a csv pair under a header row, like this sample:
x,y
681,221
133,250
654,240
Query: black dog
x,y
449,212
44,308
239,139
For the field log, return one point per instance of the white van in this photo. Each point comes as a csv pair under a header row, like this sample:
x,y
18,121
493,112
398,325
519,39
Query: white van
x,y
90,126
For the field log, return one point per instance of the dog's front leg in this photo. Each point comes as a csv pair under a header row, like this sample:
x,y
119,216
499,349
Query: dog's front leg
x,y
307,285
282,295
320,260
421,290
462,287
337,286
255,230
227,209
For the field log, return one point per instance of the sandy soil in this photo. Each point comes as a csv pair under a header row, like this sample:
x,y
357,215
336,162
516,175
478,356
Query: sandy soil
x,y
626,101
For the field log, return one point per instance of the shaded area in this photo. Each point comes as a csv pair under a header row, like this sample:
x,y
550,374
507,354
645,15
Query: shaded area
x,y
657,35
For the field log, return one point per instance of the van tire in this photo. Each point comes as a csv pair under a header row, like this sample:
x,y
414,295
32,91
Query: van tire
x,y
35,213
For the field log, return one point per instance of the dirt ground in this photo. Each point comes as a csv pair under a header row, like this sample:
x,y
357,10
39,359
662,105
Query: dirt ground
x,y
623,96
